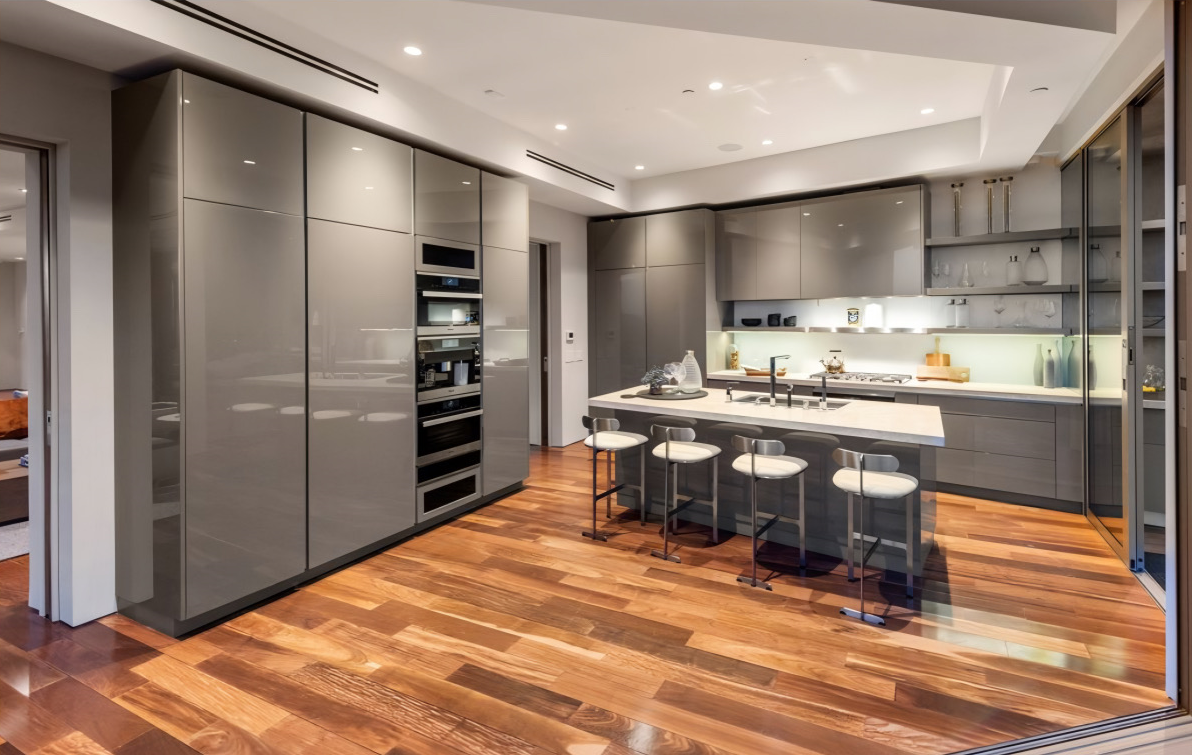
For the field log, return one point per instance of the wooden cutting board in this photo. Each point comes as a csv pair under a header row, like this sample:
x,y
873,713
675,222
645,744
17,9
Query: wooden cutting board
x,y
953,374
936,359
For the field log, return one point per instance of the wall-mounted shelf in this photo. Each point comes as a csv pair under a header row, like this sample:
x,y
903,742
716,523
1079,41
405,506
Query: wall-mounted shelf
x,y
1155,225
1154,332
919,331
1153,286
1059,288
1105,287
1154,403
1012,237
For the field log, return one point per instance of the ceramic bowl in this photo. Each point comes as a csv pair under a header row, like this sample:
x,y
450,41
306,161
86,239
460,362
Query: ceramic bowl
x,y
751,322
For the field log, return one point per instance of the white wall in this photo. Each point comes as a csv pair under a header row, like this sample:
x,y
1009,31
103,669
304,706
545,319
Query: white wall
x,y
68,105
567,234
12,363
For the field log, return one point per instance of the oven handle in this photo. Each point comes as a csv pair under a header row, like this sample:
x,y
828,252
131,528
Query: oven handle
x,y
450,295
452,418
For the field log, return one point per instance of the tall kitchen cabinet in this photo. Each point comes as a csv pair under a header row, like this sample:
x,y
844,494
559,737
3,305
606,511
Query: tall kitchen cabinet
x,y
652,297
505,346
446,199
210,343
360,335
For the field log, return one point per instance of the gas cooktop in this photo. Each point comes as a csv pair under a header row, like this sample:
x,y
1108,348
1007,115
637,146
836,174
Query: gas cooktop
x,y
864,377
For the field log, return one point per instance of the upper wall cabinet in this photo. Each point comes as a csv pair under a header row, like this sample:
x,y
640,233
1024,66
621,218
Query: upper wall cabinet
x,y
864,244
617,244
504,213
356,177
757,254
240,149
676,238
446,199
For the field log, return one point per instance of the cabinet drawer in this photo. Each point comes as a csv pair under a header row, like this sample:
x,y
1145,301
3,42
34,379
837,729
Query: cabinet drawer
x,y
983,407
998,435
1014,474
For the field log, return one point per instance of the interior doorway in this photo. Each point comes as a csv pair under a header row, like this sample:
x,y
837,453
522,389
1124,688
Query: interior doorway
x,y
540,340
14,368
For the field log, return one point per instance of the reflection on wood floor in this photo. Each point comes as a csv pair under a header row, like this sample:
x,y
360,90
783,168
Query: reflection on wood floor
x,y
505,632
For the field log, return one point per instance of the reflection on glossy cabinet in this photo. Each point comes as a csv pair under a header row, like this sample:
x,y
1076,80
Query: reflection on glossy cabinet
x,y
446,199
736,255
506,394
676,238
617,244
864,244
243,419
239,148
675,306
620,329
778,258
356,177
361,377
504,213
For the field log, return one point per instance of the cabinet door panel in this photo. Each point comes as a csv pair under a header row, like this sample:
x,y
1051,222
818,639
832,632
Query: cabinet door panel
x,y
865,244
244,457
617,244
620,331
675,314
240,149
736,256
778,253
361,426
356,177
676,238
446,199
506,393
504,213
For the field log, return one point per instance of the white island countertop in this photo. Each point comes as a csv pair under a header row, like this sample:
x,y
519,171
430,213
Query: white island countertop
x,y
998,391
879,420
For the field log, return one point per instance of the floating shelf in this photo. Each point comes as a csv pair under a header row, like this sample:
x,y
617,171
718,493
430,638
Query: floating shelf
x,y
1154,332
1012,237
1105,287
1002,331
1154,403
1008,331
1153,286
1155,225
1059,288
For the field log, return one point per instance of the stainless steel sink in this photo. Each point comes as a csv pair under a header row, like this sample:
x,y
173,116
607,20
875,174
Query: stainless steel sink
x,y
797,402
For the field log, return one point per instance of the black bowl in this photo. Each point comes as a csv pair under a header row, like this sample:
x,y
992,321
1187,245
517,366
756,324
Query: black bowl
x,y
751,321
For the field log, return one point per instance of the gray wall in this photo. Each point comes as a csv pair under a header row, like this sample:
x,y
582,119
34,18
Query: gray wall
x,y
69,105
12,325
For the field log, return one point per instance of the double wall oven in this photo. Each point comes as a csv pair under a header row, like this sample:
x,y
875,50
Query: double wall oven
x,y
450,413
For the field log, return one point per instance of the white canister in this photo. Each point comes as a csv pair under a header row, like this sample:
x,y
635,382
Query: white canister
x,y
874,315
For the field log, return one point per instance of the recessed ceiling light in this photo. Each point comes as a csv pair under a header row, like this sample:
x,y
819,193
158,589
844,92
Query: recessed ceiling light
x,y
639,167
898,202
186,102
840,225
19,259
250,162
767,142
357,149
715,85
560,126
467,183
730,147
412,50
807,214
368,188
927,111
24,191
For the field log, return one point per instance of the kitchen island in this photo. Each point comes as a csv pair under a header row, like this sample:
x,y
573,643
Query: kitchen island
x,y
910,432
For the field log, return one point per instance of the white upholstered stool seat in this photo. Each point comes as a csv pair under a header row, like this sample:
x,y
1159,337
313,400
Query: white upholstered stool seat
x,y
614,440
769,467
877,484
686,452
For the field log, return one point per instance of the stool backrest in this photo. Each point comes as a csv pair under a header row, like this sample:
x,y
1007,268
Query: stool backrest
x,y
759,446
865,462
666,433
601,424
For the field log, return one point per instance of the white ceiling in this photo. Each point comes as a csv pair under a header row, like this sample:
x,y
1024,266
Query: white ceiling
x,y
12,202
618,86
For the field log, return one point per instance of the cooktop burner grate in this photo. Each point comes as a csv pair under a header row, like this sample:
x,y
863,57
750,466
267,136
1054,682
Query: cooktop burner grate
x,y
864,377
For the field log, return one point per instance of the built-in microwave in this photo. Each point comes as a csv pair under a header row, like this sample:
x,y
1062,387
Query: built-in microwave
x,y
445,257
447,304
448,365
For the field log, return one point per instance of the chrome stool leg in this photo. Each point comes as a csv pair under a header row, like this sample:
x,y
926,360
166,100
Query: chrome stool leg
x,y
852,612
641,491
910,546
752,580
595,534
715,501
851,544
670,485
802,525
612,483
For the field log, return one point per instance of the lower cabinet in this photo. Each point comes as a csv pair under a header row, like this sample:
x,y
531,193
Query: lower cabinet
x,y
361,401
505,386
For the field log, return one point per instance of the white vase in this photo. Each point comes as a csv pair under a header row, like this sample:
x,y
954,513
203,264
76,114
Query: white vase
x,y
1034,272
693,379
1049,371
1038,364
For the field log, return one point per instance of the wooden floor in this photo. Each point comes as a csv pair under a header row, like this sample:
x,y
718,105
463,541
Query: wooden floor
x,y
505,632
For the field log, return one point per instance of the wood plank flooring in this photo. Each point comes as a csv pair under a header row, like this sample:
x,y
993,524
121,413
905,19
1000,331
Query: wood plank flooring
x,y
505,632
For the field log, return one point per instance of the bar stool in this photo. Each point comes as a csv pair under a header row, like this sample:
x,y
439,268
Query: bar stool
x,y
604,434
765,460
872,476
678,446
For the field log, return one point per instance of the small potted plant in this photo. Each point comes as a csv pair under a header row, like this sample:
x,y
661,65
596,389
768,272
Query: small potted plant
x,y
656,378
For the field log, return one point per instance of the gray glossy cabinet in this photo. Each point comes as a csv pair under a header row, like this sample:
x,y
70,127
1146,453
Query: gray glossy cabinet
x,y
676,310
360,320
864,244
758,254
676,238
242,410
446,199
619,332
504,213
240,149
505,460
617,244
356,177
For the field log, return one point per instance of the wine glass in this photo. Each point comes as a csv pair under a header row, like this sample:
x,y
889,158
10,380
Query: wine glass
x,y
935,269
1048,309
946,271
1021,321
999,306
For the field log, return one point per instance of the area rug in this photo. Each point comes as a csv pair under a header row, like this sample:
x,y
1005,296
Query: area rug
x,y
14,540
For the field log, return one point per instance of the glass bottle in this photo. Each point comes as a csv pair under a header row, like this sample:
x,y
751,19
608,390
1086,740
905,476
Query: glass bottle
x,y
962,314
693,379
1049,371
1034,273
966,280
950,313
1014,272
1038,364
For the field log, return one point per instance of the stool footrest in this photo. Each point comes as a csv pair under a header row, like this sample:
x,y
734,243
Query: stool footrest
x,y
666,556
756,583
767,525
869,618
610,491
600,536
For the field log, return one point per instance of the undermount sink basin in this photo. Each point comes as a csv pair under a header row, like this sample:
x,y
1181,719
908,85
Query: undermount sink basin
x,y
797,402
